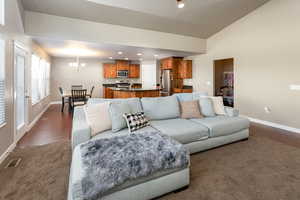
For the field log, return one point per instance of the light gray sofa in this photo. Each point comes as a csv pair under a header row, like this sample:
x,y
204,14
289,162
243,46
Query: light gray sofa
x,y
164,114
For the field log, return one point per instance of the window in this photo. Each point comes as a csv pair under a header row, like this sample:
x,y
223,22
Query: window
x,y
2,13
2,83
40,79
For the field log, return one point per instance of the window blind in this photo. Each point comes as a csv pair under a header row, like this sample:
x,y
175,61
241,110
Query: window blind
x,y
2,82
40,79
2,12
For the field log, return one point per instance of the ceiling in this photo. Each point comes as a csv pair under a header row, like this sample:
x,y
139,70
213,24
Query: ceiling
x,y
57,48
199,18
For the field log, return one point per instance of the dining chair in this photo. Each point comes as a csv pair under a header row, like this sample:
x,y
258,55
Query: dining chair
x,y
78,98
91,93
63,98
76,87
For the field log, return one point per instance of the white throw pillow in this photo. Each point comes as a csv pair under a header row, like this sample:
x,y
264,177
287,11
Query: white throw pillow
x,y
218,105
98,117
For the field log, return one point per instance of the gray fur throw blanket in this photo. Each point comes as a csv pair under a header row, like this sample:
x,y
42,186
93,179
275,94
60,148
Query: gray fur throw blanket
x,y
110,162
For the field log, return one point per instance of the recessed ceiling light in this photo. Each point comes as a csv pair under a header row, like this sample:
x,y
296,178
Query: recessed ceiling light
x,y
111,58
139,54
126,58
180,3
155,55
120,52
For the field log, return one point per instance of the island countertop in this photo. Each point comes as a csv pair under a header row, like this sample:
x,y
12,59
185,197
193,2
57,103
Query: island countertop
x,y
135,89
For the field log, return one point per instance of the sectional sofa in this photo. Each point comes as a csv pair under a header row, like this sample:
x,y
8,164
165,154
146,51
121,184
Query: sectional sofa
x,y
164,114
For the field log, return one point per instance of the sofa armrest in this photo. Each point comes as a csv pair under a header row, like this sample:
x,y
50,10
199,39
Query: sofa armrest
x,y
231,112
81,131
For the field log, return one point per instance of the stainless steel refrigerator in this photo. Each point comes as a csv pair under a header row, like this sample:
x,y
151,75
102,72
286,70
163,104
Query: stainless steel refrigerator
x,y
166,83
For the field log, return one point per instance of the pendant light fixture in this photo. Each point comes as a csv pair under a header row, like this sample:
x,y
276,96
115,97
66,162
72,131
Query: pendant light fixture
x,y
180,3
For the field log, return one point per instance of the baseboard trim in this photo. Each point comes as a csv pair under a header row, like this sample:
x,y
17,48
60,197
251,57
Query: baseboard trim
x,y
7,152
36,119
275,125
55,102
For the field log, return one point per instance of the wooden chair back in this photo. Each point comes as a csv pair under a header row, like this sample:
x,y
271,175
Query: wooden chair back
x,y
79,95
61,91
92,90
76,87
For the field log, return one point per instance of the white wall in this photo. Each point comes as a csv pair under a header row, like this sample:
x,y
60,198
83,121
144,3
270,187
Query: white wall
x,y
62,75
265,46
149,73
63,28
13,32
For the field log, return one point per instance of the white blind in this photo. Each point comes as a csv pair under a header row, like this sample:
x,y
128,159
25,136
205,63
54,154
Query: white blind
x,y
2,82
40,79
2,12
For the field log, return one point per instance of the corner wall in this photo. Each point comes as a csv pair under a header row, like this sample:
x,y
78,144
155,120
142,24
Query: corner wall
x,y
265,46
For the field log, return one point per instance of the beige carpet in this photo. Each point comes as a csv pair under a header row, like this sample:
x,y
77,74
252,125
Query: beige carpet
x,y
257,169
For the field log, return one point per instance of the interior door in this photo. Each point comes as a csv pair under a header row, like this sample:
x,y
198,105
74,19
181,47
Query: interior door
x,y
20,92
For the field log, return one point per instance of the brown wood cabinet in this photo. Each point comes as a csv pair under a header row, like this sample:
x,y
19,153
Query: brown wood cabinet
x,y
134,71
185,70
122,65
179,90
108,93
109,70
166,63
136,94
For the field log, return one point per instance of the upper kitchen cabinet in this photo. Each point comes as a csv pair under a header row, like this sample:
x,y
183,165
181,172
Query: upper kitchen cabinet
x,y
122,65
185,70
134,71
166,63
109,70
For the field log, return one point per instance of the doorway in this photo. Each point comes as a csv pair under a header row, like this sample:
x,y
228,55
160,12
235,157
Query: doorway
x,y
20,90
224,80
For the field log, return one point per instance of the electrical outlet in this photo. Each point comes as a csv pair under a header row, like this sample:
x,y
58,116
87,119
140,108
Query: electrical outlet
x,y
267,110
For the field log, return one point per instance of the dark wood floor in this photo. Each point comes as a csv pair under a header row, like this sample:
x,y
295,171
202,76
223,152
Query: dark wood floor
x,y
55,126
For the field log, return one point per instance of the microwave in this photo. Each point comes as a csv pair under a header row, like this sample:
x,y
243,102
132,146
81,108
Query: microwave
x,y
122,74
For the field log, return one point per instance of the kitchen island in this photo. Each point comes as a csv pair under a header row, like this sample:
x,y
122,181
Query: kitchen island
x,y
135,92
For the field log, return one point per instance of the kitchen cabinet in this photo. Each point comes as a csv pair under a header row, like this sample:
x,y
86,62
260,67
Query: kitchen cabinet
x,y
179,90
122,65
185,70
108,93
134,71
109,70
166,63
120,94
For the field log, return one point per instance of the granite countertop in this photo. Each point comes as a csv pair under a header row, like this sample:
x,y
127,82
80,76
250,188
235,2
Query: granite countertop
x,y
135,89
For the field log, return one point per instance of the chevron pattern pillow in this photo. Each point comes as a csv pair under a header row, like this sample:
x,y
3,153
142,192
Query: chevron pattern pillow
x,y
136,121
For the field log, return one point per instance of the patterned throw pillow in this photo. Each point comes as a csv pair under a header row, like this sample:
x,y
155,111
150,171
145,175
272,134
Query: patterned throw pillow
x,y
136,121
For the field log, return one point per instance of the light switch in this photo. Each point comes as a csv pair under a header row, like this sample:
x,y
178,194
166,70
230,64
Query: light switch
x,y
295,87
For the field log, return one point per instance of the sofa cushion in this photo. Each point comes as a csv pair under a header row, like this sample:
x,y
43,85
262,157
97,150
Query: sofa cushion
x,y
117,110
184,96
161,107
121,106
190,109
98,117
207,107
223,125
218,105
182,130
198,95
